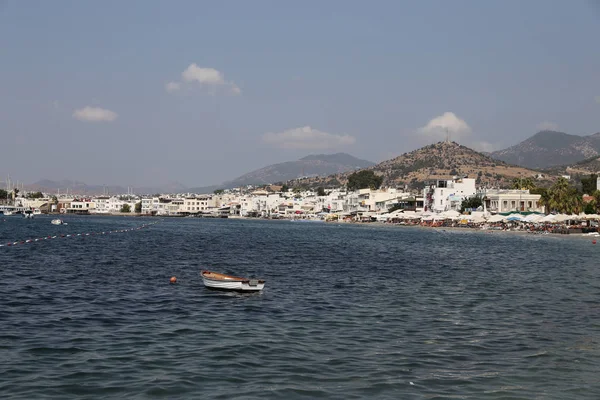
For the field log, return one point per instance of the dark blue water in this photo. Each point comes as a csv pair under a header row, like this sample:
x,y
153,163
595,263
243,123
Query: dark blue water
x,y
348,312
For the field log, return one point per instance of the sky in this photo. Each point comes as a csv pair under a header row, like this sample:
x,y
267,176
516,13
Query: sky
x,y
140,93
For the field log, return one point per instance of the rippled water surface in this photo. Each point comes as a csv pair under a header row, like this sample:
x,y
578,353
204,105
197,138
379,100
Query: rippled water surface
x,y
347,312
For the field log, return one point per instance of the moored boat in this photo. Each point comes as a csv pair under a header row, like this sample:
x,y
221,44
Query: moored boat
x,y
57,221
215,280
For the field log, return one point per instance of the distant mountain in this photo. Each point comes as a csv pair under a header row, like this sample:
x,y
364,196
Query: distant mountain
x,y
442,160
81,188
549,148
309,166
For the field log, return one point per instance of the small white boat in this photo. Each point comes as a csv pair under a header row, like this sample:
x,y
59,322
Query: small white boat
x,y
8,213
57,221
215,280
37,211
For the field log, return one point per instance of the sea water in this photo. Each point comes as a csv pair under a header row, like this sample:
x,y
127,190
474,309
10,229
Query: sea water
x,y
348,311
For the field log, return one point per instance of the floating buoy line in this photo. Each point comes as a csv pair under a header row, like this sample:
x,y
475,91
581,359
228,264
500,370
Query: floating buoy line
x,y
75,235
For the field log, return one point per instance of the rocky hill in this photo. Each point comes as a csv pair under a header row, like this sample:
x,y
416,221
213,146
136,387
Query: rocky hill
x,y
577,170
310,166
549,148
439,161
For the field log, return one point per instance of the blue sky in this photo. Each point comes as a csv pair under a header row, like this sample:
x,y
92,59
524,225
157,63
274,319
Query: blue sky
x,y
83,90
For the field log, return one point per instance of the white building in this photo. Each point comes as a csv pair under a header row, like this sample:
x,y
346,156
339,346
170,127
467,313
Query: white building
x,y
444,195
334,201
505,200
113,204
194,205
147,205
382,199
81,206
32,203
101,205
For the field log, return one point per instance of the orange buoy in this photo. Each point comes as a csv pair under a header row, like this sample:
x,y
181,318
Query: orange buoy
x,y
173,280
593,242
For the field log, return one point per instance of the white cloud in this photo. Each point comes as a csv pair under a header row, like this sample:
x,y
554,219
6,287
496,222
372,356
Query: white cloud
x,y
172,86
95,114
307,138
547,126
456,127
207,78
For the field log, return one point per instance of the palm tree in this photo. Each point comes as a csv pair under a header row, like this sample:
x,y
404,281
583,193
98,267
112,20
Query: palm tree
x,y
573,201
15,191
545,201
523,183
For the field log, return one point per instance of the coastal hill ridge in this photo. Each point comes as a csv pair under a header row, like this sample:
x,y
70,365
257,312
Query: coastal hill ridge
x,y
442,160
316,165
550,148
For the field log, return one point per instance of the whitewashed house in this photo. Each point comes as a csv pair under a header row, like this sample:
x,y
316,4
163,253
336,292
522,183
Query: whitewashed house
x,y
444,195
510,200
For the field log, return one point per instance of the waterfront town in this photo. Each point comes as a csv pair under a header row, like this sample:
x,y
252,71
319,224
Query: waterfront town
x,y
441,203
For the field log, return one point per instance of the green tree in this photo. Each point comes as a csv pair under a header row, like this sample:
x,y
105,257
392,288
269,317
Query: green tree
x,y
138,207
219,191
125,208
596,196
472,202
544,197
35,195
590,207
321,191
364,179
588,184
3,194
523,183
563,198
285,188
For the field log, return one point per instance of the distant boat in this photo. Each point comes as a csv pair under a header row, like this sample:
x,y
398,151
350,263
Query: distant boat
x,y
57,221
215,280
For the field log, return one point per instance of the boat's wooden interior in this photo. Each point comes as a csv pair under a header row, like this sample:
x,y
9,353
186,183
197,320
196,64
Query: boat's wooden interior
x,y
223,277
216,275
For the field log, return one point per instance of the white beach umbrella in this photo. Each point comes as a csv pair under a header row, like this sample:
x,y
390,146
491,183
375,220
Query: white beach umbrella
x,y
561,217
496,218
513,217
548,218
534,217
478,219
451,214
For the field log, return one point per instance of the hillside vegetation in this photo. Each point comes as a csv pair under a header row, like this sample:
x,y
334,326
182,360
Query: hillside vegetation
x,y
442,160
